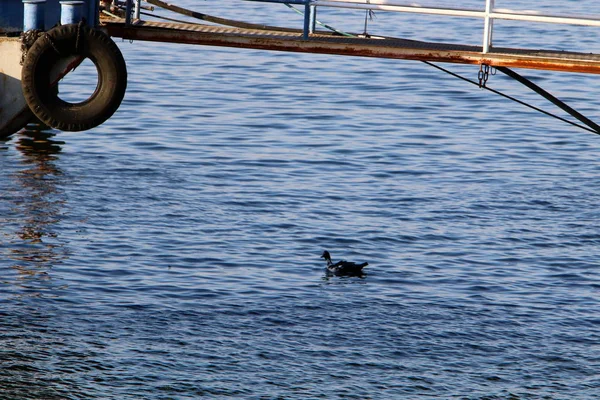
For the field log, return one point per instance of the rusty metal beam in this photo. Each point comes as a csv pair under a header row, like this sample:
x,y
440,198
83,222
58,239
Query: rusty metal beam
x,y
361,47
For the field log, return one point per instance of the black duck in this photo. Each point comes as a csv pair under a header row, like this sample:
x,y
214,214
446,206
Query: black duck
x,y
342,267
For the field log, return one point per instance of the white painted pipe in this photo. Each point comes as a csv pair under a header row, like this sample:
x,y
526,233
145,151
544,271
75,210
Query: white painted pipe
x,y
550,19
388,5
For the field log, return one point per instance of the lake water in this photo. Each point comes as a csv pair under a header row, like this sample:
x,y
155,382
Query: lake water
x,y
173,252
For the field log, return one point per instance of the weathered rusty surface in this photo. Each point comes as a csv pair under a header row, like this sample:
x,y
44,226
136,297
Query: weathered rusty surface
x,y
361,47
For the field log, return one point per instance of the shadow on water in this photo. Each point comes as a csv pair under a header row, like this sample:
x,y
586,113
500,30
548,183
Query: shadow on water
x,y
37,360
34,206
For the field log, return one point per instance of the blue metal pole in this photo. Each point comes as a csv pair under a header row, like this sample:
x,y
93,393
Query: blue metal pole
x,y
128,8
307,18
33,14
71,11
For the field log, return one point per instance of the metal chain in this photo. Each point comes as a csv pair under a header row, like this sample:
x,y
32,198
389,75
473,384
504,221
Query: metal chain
x,y
484,75
515,100
369,14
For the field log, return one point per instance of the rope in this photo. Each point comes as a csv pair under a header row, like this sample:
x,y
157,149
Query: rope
x,y
50,40
217,20
78,39
320,23
27,40
110,14
167,18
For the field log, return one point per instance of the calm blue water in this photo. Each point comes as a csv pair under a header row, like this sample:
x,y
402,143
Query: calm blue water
x,y
173,253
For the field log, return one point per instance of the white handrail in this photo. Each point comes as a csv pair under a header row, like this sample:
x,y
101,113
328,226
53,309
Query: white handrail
x,y
489,14
393,6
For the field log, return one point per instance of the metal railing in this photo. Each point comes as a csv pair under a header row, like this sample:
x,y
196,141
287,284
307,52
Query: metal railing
x,y
488,14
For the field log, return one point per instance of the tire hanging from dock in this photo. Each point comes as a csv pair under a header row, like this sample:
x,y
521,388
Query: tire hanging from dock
x,y
49,52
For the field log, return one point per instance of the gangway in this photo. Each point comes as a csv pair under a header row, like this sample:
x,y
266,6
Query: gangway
x,y
308,39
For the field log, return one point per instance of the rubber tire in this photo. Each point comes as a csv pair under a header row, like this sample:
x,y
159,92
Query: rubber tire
x,y
43,99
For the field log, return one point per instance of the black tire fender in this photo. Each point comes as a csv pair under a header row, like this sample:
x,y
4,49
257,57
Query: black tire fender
x,y
53,47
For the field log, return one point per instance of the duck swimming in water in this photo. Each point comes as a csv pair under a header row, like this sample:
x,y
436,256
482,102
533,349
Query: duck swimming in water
x,y
342,267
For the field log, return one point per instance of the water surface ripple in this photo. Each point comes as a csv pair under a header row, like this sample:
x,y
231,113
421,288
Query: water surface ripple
x,y
173,252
